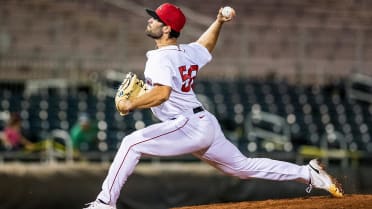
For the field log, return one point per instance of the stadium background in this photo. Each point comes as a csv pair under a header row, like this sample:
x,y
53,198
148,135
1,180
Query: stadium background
x,y
290,80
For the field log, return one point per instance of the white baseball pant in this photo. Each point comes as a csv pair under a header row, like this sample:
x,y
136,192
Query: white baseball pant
x,y
201,135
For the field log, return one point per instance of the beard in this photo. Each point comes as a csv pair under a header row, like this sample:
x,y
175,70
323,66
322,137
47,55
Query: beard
x,y
154,34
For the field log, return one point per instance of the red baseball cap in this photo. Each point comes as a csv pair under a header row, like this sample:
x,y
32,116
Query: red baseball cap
x,y
170,15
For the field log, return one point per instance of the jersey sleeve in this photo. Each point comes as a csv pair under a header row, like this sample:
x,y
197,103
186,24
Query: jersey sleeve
x,y
201,53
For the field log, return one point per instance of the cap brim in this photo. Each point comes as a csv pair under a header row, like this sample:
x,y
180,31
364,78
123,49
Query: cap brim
x,y
152,13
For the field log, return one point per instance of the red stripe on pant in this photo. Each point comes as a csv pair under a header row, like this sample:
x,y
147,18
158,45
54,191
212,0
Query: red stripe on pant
x,y
117,173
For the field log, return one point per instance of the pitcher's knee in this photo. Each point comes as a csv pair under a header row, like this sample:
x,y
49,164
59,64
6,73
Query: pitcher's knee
x,y
128,142
134,142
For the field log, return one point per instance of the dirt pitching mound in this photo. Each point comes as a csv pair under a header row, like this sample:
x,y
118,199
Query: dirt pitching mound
x,y
314,202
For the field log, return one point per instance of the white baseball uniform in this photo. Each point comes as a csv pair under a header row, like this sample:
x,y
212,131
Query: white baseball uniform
x,y
187,128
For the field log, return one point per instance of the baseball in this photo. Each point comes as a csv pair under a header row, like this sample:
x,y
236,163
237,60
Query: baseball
x,y
227,11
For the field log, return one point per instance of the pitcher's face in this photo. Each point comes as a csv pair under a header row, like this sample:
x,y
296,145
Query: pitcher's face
x,y
154,28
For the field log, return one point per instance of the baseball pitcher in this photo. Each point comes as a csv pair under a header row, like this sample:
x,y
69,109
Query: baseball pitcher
x,y
186,127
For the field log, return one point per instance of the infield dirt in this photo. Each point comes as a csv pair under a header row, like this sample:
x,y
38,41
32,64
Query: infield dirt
x,y
352,201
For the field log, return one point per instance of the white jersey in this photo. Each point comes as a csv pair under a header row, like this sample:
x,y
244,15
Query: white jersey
x,y
176,66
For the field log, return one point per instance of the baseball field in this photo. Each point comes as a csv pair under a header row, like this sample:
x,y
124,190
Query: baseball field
x,y
325,202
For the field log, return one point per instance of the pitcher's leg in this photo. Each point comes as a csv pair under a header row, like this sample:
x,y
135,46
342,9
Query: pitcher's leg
x,y
226,157
121,167
162,139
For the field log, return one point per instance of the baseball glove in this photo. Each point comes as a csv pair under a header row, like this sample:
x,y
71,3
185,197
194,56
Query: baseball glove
x,y
130,88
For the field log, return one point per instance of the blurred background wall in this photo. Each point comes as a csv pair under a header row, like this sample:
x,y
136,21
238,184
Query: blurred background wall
x,y
305,41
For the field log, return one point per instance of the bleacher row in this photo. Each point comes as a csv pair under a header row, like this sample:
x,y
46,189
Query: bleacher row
x,y
311,112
